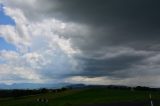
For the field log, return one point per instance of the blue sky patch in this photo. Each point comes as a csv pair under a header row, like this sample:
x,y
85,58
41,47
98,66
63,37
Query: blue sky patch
x,y
4,19
5,45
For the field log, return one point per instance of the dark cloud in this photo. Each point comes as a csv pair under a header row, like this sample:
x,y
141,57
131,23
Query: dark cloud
x,y
122,38
131,24
110,66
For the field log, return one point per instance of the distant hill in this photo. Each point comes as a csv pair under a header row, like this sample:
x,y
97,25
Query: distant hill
x,y
76,86
32,86
65,85
94,86
81,86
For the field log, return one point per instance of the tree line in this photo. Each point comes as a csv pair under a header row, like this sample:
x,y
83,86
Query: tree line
x,y
27,92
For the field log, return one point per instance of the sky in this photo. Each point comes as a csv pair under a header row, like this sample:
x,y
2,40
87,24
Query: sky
x,y
108,42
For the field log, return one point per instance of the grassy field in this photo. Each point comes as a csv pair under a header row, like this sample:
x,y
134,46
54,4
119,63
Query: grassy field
x,y
79,97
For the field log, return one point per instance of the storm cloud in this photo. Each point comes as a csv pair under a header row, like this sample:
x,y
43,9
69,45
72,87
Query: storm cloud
x,y
109,38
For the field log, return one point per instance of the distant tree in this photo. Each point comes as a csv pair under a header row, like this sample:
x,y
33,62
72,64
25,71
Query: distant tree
x,y
142,88
44,90
63,89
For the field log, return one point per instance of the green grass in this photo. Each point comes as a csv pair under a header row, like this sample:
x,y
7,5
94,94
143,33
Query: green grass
x,y
78,97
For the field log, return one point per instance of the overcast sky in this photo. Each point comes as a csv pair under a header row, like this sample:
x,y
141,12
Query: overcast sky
x,y
80,41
